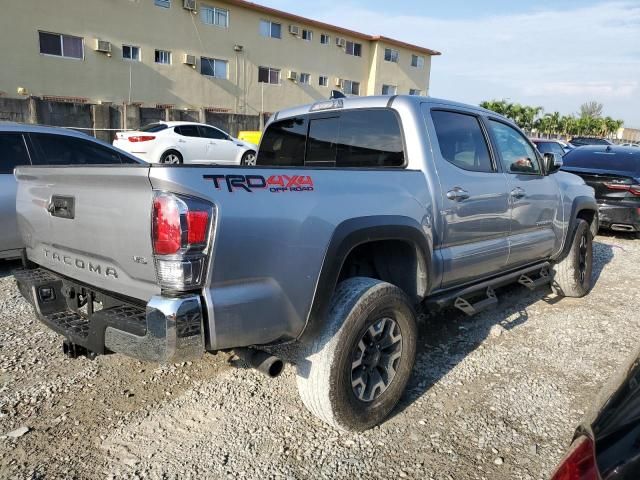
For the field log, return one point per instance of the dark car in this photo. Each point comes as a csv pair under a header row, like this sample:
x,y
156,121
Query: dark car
x,y
606,445
549,146
36,145
614,174
581,141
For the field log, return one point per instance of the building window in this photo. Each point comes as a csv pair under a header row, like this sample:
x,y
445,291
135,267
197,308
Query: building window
x,y
305,78
129,52
163,57
354,49
391,55
389,89
325,39
351,88
269,75
323,81
415,91
214,67
215,16
61,45
417,61
270,29
163,3
307,35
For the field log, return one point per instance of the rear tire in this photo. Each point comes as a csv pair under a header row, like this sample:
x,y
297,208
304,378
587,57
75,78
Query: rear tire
x,y
171,157
249,159
358,367
572,274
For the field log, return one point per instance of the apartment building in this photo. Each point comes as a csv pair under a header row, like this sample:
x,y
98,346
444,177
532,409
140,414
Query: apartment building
x,y
224,55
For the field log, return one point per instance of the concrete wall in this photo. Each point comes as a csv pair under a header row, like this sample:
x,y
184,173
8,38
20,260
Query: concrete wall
x,y
101,78
103,120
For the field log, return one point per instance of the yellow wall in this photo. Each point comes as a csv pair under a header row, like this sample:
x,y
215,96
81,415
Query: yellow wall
x,y
139,22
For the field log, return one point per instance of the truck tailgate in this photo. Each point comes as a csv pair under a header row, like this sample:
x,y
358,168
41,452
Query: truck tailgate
x,y
92,224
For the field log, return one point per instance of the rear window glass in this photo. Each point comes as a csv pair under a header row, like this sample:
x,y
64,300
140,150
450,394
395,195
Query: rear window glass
x,y
65,150
154,127
603,159
13,152
283,143
354,138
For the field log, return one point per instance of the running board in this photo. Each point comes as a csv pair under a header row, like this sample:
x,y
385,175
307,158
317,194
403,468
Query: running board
x,y
473,308
531,284
531,276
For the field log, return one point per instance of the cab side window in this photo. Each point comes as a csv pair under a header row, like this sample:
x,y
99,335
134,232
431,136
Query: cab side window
x,y
13,152
516,154
461,140
66,150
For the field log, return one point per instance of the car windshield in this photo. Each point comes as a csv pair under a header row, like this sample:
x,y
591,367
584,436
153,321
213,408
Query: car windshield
x,y
154,127
625,160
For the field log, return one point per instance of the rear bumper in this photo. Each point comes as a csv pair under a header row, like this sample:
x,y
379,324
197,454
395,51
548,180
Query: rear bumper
x,y
167,330
615,216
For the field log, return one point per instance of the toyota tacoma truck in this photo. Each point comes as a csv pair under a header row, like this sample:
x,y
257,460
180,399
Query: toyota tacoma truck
x,y
358,211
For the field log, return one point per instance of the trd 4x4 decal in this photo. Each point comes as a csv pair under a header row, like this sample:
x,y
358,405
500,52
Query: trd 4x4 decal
x,y
250,183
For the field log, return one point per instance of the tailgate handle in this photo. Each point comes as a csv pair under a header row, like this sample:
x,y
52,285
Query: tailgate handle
x,y
62,207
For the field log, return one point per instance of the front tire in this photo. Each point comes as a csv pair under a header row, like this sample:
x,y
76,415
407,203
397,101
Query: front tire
x,y
249,159
572,274
359,365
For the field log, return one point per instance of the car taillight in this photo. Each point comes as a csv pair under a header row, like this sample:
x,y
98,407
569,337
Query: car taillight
x,y
181,229
579,463
624,187
141,138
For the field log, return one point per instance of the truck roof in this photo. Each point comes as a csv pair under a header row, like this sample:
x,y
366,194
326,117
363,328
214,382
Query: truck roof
x,y
378,101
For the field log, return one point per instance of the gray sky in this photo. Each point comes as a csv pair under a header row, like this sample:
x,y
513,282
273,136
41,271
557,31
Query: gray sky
x,y
556,54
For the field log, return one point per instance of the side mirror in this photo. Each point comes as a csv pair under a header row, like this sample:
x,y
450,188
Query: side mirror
x,y
552,162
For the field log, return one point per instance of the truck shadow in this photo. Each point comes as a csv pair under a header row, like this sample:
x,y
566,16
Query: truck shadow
x,y
7,266
447,337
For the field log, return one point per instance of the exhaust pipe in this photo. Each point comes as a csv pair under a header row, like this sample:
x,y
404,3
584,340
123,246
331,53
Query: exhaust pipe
x,y
264,362
618,227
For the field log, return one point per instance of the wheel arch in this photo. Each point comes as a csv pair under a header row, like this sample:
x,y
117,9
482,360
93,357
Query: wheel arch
x,y
355,236
585,208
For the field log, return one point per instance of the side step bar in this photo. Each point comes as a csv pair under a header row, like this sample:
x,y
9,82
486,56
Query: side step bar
x,y
531,277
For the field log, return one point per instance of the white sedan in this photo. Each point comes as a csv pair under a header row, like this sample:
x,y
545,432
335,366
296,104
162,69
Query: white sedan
x,y
185,142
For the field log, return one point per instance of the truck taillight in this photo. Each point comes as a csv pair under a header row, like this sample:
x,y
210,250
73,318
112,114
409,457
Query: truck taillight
x,y
141,138
181,229
580,462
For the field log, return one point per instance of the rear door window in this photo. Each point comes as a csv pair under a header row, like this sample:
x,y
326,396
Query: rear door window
x,y
65,150
188,130
13,152
284,143
461,141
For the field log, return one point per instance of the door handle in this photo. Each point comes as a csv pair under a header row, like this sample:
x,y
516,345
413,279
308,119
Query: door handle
x,y
518,193
457,194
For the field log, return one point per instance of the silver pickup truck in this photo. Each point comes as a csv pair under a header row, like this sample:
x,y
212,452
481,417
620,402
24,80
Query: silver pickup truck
x,y
358,211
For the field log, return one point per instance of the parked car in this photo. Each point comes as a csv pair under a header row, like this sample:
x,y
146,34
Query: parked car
x,y
581,141
36,145
630,145
359,209
549,146
606,446
186,142
614,174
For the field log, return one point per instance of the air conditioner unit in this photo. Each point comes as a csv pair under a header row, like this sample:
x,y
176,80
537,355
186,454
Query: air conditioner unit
x,y
341,42
103,46
189,60
190,5
292,75
294,29
339,82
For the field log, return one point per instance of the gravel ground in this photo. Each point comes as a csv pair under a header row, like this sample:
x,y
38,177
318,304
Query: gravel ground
x,y
496,396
